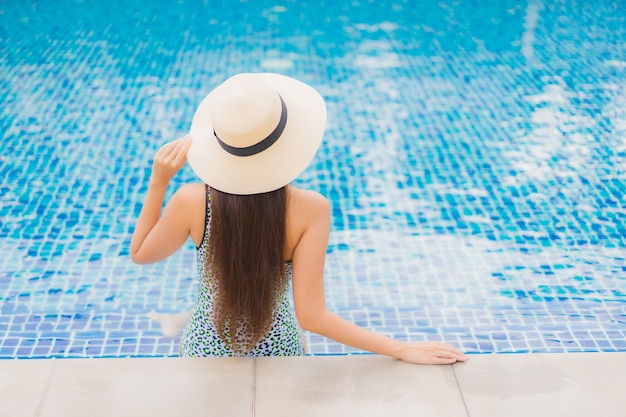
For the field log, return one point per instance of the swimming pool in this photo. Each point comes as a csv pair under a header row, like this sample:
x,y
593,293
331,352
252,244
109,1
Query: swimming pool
x,y
475,158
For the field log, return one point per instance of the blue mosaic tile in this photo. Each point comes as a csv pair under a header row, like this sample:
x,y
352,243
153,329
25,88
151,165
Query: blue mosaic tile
x,y
474,161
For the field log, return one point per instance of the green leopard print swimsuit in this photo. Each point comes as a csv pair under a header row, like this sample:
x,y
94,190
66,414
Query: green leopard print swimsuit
x,y
200,337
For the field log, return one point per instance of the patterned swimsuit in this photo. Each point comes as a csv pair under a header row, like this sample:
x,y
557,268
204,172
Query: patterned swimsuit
x,y
200,337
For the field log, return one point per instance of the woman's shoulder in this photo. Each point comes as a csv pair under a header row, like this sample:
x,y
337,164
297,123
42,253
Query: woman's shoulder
x,y
190,203
190,195
307,198
192,190
308,206
306,210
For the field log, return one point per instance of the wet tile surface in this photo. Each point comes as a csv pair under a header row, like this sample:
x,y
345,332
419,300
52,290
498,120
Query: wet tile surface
x,y
573,385
538,385
150,387
22,386
354,386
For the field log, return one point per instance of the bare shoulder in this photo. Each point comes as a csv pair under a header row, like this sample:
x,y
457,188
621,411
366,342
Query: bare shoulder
x,y
191,198
195,189
189,201
308,214
192,192
308,202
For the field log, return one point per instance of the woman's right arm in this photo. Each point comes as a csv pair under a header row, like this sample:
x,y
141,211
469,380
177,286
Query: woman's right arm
x,y
158,236
308,289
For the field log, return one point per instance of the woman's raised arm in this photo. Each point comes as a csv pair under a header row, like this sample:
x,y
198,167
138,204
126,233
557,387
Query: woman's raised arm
x,y
158,236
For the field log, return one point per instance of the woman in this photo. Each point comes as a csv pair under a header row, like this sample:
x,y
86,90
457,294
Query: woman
x,y
254,233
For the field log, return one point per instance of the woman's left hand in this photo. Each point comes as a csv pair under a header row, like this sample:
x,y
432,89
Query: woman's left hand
x,y
430,353
169,160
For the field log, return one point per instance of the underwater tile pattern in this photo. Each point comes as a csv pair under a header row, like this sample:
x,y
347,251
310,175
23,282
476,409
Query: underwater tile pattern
x,y
475,159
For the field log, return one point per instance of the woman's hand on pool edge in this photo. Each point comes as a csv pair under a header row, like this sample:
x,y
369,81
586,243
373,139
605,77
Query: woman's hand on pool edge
x,y
430,353
169,159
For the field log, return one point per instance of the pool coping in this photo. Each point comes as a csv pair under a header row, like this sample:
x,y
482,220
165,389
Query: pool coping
x,y
550,384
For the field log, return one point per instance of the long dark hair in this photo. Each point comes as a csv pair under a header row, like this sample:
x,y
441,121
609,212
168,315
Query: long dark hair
x,y
246,244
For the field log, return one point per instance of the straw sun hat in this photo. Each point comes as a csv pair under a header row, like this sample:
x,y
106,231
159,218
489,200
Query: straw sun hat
x,y
256,133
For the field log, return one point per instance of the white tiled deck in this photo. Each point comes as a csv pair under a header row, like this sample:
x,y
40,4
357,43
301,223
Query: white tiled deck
x,y
580,384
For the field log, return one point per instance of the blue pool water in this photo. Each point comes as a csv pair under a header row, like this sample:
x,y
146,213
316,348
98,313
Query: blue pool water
x,y
475,158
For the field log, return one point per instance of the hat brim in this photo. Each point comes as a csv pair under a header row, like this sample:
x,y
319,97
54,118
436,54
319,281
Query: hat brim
x,y
276,166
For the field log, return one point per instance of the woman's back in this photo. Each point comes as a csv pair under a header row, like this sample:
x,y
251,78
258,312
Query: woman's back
x,y
201,336
304,207
307,219
252,135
